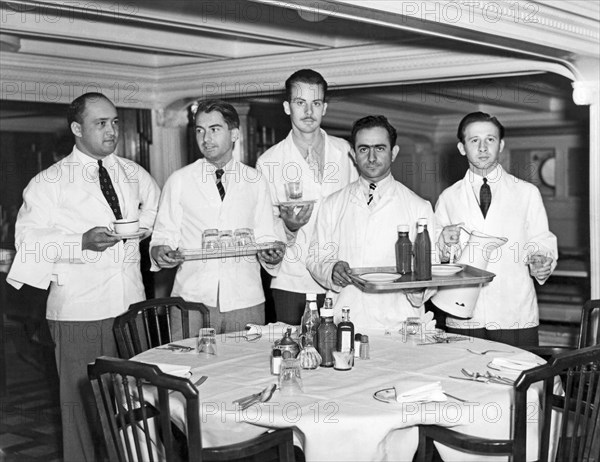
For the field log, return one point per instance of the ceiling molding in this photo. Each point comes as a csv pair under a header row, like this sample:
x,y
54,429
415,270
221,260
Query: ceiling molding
x,y
513,23
355,67
59,80
26,77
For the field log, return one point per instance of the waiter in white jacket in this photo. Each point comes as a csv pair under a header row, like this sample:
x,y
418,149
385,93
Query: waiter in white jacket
x,y
64,240
217,192
322,163
490,200
357,227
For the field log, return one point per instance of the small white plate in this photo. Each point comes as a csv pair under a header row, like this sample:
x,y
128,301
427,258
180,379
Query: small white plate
x,y
142,233
445,270
387,395
298,203
380,277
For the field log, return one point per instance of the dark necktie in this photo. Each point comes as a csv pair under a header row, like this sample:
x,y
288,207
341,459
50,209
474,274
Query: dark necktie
x,y
372,187
109,191
220,186
485,197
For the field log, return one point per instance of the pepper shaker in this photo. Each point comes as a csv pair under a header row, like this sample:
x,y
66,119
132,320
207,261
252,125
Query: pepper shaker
x,y
364,347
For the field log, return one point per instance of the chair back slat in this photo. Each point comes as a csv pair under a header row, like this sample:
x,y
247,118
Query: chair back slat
x,y
145,416
131,420
148,324
165,423
120,416
545,415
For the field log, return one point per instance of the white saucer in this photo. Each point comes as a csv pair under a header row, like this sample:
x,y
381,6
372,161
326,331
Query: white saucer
x,y
445,270
387,395
142,233
298,203
380,277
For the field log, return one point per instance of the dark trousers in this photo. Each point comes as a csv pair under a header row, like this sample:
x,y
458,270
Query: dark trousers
x,y
514,337
77,344
289,306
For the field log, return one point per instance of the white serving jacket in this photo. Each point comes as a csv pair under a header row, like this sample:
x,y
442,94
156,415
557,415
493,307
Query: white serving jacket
x,y
517,213
349,230
284,162
190,203
59,205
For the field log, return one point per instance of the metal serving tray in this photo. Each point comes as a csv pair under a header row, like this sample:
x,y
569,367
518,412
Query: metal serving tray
x,y
231,252
468,276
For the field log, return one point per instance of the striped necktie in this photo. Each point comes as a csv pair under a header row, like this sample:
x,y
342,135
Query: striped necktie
x,y
485,197
220,186
372,187
108,190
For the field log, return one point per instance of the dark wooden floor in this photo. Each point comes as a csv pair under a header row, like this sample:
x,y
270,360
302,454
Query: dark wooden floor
x,y
30,429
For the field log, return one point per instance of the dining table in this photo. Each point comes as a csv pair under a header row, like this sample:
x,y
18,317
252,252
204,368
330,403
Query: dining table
x,y
339,414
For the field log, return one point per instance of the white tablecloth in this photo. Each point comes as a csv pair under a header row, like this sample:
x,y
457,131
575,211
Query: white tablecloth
x,y
337,418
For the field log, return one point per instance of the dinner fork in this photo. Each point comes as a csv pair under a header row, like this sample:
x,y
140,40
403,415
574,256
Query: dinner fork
x,y
485,352
487,376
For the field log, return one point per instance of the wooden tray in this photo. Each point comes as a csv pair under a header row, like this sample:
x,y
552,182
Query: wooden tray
x,y
231,252
468,276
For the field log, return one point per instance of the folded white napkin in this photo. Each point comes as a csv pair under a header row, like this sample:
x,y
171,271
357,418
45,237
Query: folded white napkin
x,y
514,364
172,369
429,322
412,391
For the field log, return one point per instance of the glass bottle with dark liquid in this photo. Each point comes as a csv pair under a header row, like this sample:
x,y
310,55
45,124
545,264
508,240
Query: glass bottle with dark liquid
x,y
422,248
326,337
404,251
345,332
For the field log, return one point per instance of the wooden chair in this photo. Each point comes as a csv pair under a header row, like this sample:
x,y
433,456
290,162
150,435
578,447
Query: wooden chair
x,y
578,408
134,429
147,324
588,333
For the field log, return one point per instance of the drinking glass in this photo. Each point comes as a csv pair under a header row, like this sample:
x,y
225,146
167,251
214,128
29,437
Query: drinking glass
x,y
226,239
413,326
537,260
290,379
243,237
293,190
210,239
207,341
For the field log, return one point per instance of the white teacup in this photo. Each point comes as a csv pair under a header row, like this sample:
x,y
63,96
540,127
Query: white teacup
x,y
126,226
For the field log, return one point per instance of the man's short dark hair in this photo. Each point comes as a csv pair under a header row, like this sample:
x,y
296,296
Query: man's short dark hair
x,y
77,107
372,122
477,117
228,112
304,76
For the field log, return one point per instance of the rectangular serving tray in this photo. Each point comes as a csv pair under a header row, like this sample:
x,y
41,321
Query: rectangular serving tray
x,y
231,252
468,276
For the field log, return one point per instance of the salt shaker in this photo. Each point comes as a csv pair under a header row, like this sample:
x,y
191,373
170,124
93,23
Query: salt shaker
x,y
276,360
364,347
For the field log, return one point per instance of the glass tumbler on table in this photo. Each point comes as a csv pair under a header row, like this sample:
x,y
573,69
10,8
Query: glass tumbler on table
x,y
207,341
413,326
290,379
